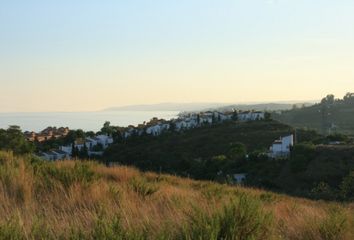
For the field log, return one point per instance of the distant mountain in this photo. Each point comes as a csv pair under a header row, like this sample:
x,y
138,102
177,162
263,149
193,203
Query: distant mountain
x,y
263,106
188,107
168,107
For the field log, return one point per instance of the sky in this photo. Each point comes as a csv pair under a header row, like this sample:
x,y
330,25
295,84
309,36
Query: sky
x,y
87,55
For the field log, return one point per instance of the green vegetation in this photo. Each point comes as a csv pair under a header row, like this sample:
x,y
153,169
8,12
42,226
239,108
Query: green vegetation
x,y
12,139
86,200
216,152
241,219
319,172
330,116
199,153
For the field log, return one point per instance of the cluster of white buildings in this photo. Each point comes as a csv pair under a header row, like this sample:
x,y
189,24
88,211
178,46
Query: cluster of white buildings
x,y
188,121
95,147
155,127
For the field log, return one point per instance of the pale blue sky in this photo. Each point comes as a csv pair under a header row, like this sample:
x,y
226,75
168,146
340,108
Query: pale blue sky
x,y
87,55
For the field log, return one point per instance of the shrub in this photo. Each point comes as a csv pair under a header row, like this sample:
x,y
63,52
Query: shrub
x,y
268,197
334,226
66,175
104,229
112,229
347,187
141,186
239,220
11,230
322,191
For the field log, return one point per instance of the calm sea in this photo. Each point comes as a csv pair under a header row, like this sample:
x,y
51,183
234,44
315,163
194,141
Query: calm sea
x,y
88,121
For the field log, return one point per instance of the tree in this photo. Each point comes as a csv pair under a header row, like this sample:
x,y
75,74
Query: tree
x,y
235,116
90,134
198,119
347,187
73,150
213,118
73,135
84,152
107,128
172,127
14,140
329,99
267,116
237,151
349,98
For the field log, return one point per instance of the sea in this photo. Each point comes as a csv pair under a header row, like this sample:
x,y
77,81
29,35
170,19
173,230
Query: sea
x,y
87,121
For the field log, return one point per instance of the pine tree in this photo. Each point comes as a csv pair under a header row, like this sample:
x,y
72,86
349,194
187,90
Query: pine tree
x,y
73,151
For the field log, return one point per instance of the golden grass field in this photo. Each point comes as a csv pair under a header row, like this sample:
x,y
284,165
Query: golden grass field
x,y
86,200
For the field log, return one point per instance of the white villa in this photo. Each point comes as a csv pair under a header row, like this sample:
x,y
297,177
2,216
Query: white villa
x,y
250,116
157,129
239,178
54,155
282,146
64,152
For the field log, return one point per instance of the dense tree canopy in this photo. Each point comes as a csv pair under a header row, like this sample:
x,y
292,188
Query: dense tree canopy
x,y
12,139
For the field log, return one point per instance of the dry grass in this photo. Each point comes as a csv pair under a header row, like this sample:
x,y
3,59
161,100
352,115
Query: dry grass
x,y
76,200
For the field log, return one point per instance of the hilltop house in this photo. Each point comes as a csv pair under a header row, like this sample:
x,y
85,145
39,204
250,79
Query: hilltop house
x,y
239,178
281,147
91,143
250,116
46,134
54,155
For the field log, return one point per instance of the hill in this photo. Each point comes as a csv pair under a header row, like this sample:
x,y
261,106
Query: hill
x,y
191,151
329,116
264,106
181,107
167,107
86,200
314,169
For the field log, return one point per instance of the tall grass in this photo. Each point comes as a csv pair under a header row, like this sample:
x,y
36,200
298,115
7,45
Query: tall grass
x,y
85,200
241,219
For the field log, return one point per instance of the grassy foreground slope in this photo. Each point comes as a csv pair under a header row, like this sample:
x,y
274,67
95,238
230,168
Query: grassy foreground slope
x,y
85,200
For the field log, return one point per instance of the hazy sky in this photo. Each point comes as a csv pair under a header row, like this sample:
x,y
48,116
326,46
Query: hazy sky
x,y
86,55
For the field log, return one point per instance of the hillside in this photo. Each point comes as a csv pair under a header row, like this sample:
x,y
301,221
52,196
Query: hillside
x,y
190,150
264,106
85,200
313,169
329,116
181,107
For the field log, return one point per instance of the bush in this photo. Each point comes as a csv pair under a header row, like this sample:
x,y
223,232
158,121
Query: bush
x,y
141,186
334,226
322,191
11,230
105,229
112,229
347,187
240,220
66,175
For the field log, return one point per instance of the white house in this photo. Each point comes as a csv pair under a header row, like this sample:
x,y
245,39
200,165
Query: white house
x,y
282,146
154,130
250,116
129,132
239,178
54,155
90,143
104,140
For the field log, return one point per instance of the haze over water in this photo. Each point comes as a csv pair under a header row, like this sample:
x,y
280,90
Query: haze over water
x,y
88,121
